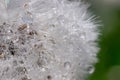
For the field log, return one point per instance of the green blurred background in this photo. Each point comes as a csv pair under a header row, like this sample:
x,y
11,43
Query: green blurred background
x,y
108,67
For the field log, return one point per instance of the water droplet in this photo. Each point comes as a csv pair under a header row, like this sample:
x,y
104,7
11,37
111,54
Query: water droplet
x,y
82,35
43,69
91,69
27,18
67,65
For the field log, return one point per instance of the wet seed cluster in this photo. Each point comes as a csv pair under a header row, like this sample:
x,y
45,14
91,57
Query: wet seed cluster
x,y
21,42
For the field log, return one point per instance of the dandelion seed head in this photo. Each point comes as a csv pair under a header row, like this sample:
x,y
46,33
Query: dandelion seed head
x,y
46,40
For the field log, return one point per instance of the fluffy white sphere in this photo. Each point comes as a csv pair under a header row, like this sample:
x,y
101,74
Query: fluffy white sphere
x,y
46,40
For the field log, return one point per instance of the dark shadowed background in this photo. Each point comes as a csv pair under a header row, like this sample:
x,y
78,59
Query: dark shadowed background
x,y
108,67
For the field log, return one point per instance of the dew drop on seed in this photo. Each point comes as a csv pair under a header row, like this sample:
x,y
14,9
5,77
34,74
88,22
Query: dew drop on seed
x,y
82,36
90,69
67,65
